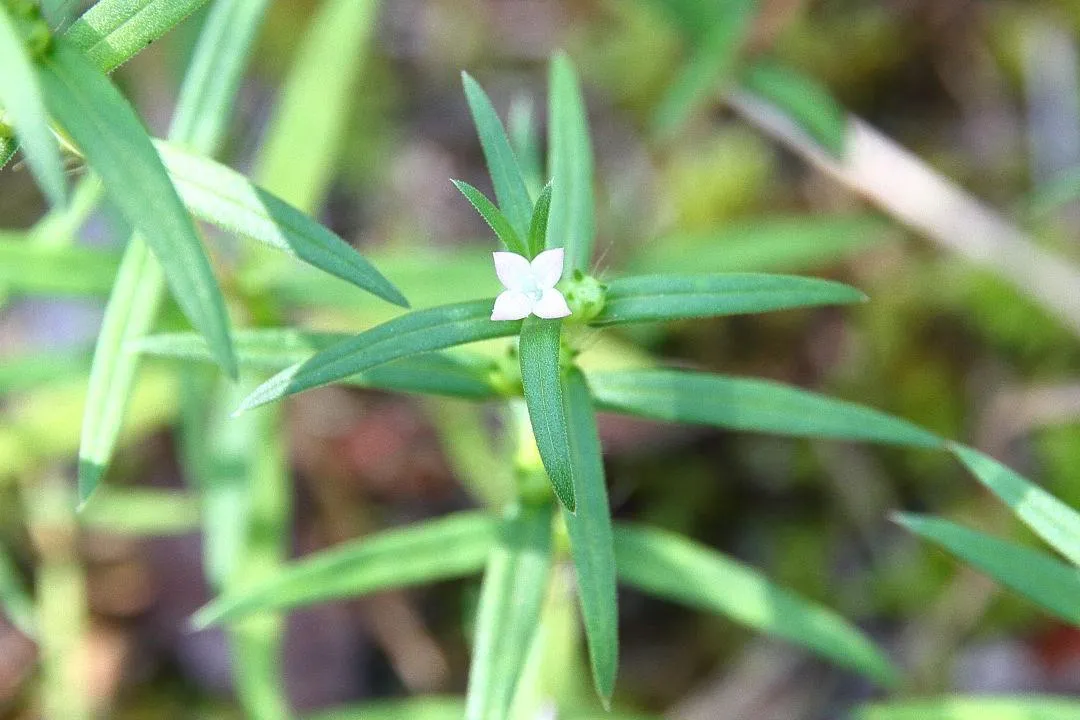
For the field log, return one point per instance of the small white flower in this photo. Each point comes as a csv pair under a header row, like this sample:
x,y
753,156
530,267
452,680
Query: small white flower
x,y
530,287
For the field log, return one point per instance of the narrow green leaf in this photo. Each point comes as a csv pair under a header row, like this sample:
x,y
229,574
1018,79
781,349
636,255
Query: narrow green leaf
x,y
273,349
1035,575
655,298
525,141
571,222
673,567
31,268
785,244
110,133
111,32
304,138
511,596
19,374
494,217
142,512
748,404
415,332
712,62
8,146
541,379
506,175
591,543
1026,707
1052,520
395,558
804,100
539,225
420,708
221,196
15,602
21,97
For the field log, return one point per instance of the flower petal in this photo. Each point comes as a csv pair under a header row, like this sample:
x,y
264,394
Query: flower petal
x,y
551,304
511,305
547,268
514,271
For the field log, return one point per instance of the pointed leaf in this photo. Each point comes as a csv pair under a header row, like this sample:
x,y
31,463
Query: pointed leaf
x,y
539,225
539,350
506,176
1026,707
21,97
571,223
272,349
655,298
1035,575
1052,520
31,268
111,32
493,217
511,595
674,567
107,129
224,197
415,332
591,544
395,558
525,141
804,100
712,62
748,404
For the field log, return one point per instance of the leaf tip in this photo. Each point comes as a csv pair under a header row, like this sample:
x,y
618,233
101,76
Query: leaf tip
x,y
89,474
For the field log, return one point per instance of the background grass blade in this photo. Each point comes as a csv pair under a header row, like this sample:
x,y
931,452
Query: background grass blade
x,y
539,350
27,372
1027,707
1052,520
748,404
591,544
21,97
416,332
32,268
494,217
571,221
1049,583
391,559
511,596
314,107
420,708
224,197
712,61
656,298
139,512
111,135
111,32
804,100
140,286
15,602
510,189
673,567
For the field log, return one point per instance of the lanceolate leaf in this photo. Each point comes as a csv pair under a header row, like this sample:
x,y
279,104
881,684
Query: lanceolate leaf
x,y
117,147
510,599
1025,707
111,32
711,62
591,538
538,226
541,379
571,222
1035,575
804,100
676,568
392,559
224,197
272,349
506,176
416,332
748,404
1052,520
33,268
653,298
21,98
494,217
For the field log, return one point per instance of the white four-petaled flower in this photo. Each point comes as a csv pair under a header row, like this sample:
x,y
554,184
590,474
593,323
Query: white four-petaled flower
x,y
530,287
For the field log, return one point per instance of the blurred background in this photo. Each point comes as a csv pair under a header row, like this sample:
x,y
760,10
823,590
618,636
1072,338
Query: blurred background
x,y
983,93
